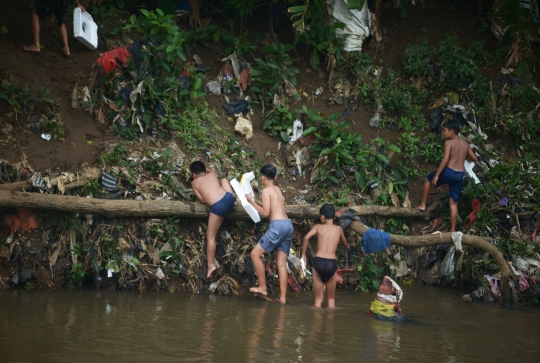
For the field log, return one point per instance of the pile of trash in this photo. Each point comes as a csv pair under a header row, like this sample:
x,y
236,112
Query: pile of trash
x,y
136,91
136,254
386,304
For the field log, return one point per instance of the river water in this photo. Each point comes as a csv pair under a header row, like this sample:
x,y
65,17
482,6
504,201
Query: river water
x,y
112,326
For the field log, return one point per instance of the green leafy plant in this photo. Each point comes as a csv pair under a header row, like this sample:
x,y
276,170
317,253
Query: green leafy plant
x,y
370,275
278,121
418,59
272,72
311,24
161,31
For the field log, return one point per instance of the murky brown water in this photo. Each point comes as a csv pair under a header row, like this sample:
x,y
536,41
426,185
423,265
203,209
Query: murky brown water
x,y
105,326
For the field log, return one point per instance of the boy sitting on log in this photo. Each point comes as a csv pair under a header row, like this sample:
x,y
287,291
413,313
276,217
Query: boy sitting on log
x,y
451,170
278,236
324,262
219,197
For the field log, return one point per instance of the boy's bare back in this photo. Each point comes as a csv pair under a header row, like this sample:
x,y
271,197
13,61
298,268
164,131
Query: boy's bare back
x,y
458,150
328,238
273,205
207,188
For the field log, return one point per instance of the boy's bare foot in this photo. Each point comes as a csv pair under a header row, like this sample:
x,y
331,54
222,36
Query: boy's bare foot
x,y
32,48
283,301
421,207
211,269
258,290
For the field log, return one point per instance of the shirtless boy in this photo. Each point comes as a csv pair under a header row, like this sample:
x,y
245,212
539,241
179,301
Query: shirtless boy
x,y
220,199
451,170
278,236
324,262
42,10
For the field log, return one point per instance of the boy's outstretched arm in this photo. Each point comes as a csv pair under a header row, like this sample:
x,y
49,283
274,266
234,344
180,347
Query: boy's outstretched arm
x,y
444,162
211,171
310,234
199,196
265,209
343,241
471,154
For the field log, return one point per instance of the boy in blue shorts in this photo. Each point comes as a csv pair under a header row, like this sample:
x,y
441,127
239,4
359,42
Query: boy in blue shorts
x,y
217,195
278,236
451,170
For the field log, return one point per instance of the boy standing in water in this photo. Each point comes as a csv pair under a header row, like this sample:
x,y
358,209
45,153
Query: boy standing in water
x,y
451,170
324,262
278,236
220,199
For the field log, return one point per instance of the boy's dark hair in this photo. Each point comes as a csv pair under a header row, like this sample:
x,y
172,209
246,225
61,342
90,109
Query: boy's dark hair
x,y
452,125
269,171
327,211
197,167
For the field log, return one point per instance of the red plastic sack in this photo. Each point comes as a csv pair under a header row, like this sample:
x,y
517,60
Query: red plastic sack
x,y
13,222
472,216
108,59
27,218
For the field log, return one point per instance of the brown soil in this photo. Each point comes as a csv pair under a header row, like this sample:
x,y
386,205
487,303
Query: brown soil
x,y
59,74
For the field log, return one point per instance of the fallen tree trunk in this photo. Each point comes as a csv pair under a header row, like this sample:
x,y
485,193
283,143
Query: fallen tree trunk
x,y
166,208
445,238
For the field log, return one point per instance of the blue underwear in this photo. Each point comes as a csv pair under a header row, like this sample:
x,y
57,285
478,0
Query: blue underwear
x,y
453,178
279,235
224,206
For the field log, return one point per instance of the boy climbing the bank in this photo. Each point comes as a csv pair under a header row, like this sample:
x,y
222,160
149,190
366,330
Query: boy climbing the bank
x,y
219,197
278,236
42,10
451,170
324,262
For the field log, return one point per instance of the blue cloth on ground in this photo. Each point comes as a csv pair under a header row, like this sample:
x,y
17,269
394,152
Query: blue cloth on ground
x,y
374,240
453,178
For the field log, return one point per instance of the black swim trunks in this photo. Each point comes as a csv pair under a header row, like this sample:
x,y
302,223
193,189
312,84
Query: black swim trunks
x,y
44,8
325,268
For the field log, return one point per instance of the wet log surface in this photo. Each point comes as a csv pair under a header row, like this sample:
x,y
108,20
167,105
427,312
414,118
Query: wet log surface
x,y
445,238
165,208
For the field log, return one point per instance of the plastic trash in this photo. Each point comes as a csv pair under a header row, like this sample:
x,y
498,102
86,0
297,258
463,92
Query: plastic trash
x,y
357,24
236,107
374,122
447,266
242,189
243,126
46,137
469,165
159,273
109,182
214,87
295,132
85,29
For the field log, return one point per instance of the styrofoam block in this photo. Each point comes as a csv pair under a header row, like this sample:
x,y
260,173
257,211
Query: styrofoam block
x,y
469,165
85,29
242,190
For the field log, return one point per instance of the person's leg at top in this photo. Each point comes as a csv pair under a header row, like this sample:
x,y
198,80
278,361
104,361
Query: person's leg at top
x,y
36,47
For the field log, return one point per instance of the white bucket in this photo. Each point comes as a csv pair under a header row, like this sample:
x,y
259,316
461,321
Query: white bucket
x,y
85,29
